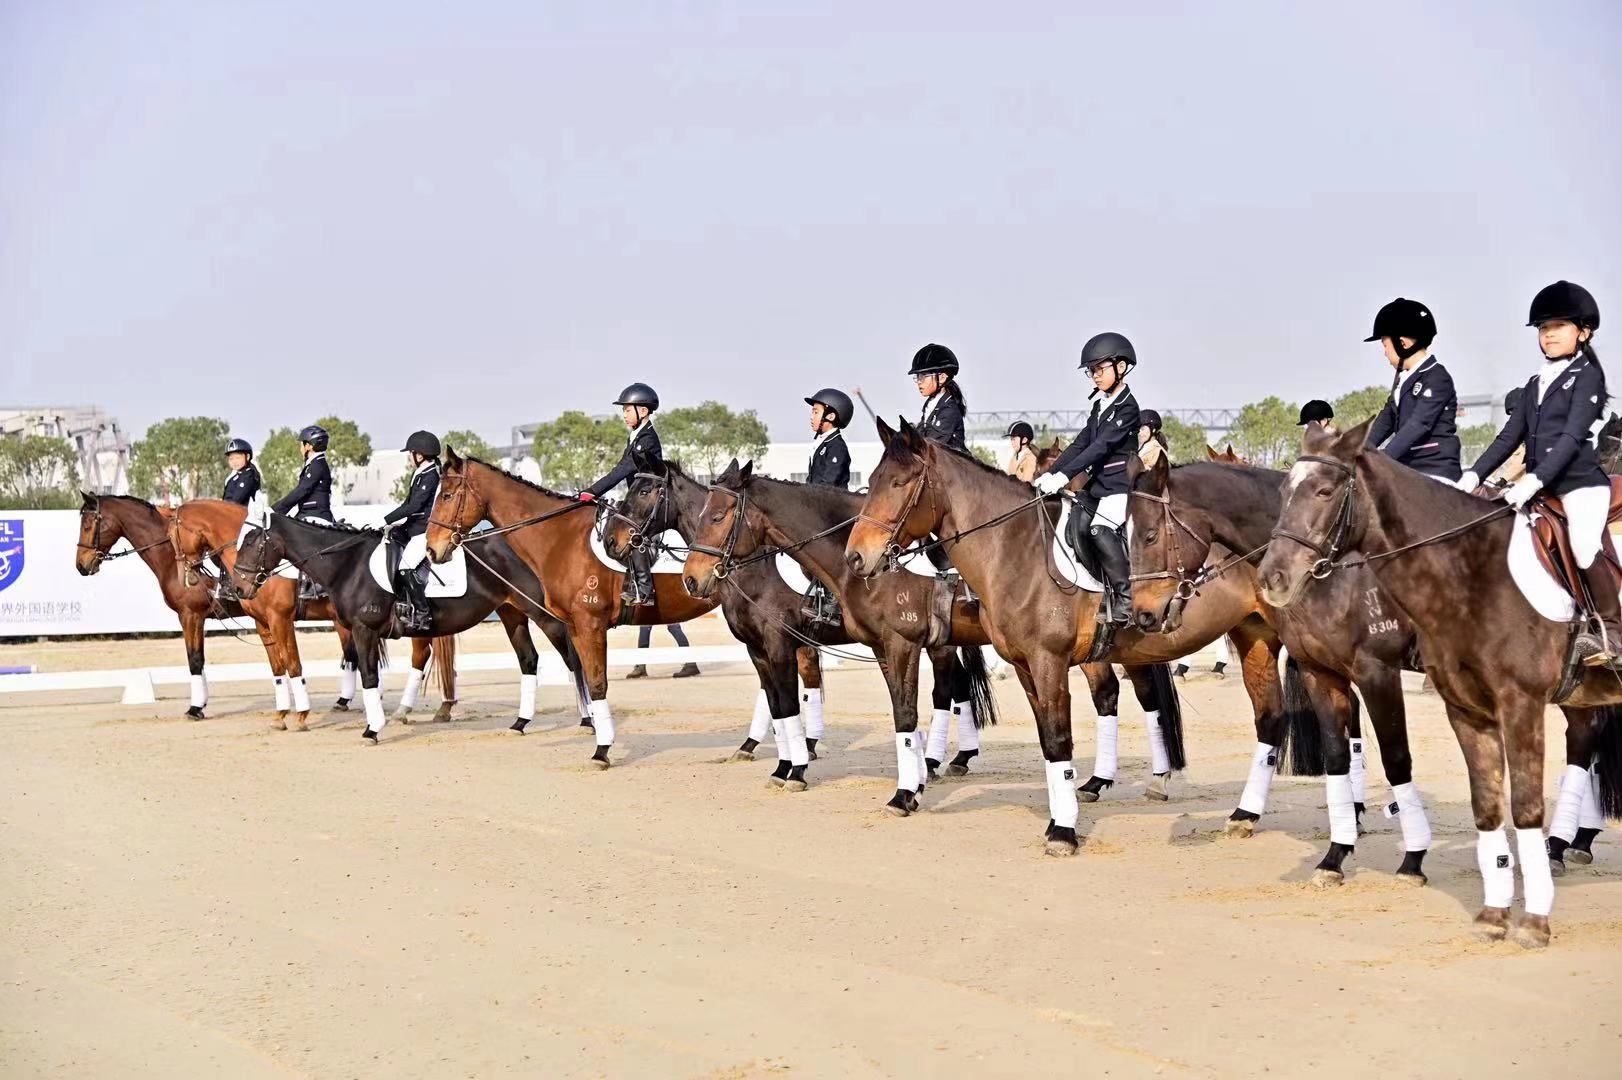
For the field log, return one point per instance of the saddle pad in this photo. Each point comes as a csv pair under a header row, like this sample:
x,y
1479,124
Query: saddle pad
x,y
1541,589
445,580
916,562
789,570
1069,566
666,563
286,569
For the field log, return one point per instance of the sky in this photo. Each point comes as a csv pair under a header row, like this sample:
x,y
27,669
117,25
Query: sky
x,y
477,215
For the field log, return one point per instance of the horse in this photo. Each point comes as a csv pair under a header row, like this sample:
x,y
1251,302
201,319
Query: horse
x,y
338,557
1441,555
764,612
1177,514
1225,456
999,533
548,532
106,519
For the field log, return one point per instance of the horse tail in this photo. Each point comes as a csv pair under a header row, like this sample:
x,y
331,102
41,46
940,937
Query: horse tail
x,y
1302,753
443,670
1170,707
975,684
1608,761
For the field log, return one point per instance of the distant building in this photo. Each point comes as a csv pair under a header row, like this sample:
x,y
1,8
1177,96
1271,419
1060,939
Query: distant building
x,y
103,449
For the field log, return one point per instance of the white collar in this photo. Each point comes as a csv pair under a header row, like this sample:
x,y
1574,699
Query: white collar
x,y
1550,371
647,421
1404,376
1115,395
317,454
933,402
824,437
424,467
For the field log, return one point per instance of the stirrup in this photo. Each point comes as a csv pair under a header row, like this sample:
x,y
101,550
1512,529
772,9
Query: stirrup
x,y
1591,652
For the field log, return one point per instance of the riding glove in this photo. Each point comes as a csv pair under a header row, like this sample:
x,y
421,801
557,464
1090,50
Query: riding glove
x,y
1468,483
1522,490
1052,482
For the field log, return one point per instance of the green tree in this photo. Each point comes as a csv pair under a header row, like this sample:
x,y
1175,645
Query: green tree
x,y
573,449
985,455
279,461
180,458
1185,441
1357,406
1265,433
708,435
1475,439
38,472
465,443
347,444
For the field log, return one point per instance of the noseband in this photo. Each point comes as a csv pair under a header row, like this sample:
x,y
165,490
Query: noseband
x,y
656,518
726,556
456,531
1187,583
890,558
1330,546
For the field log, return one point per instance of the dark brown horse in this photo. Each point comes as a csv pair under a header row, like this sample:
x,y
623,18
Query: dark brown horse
x,y
999,537
1442,557
106,519
551,533
1344,630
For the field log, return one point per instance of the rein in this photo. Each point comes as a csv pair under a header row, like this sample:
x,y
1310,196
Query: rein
x,y
462,537
893,550
109,556
727,560
1188,584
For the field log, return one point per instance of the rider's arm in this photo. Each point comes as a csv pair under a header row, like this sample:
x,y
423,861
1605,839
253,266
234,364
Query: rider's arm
x,y
303,490
1113,434
250,484
1513,434
418,500
619,473
1587,405
1423,414
1384,424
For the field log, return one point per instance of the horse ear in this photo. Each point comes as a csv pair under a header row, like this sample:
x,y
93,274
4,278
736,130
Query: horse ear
x,y
451,456
1349,443
910,437
746,472
1211,453
89,499
886,432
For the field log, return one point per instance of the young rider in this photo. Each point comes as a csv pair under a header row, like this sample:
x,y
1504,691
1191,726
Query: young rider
x,y
1416,426
311,498
1022,459
934,372
243,483
643,454
410,520
831,410
1561,409
1100,452
1317,410
1151,440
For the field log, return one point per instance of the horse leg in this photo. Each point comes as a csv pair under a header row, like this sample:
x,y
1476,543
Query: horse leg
x,y
779,675
1522,719
1330,695
964,713
444,650
808,661
422,650
594,665
1482,743
348,666
1380,686
1106,690
943,662
1603,795
278,673
517,626
191,629
899,663
1143,687
1258,660
1357,769
368,659
1051,677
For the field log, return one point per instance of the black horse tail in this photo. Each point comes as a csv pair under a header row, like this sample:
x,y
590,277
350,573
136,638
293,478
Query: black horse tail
x,y
1302,753
974,685
444,666
1608,761
1170,707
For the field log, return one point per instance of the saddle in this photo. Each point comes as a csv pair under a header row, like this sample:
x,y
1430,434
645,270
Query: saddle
x,y
950,590
1553,543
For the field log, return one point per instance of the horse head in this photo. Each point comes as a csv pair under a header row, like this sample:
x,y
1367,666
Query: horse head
x,y
895,514
1319,522
457,510
97,535
262,550
642,517
724,531
1168,547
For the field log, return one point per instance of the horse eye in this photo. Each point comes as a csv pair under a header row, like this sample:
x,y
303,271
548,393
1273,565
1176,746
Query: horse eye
x,y
1149,537
715,519
1323,493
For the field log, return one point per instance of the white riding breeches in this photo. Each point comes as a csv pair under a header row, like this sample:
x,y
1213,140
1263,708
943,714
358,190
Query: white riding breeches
x,y
1111,511
1586,511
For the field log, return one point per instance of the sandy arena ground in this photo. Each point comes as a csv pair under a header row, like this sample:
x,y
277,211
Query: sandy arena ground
x,y
218,899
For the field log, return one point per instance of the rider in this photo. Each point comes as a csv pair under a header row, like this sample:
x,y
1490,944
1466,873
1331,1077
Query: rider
x,y
643,454
934,371
1562,408
1101,451
1022,459
410,520
1316,410
1418,419
1151,440
311,498
831,411
243,483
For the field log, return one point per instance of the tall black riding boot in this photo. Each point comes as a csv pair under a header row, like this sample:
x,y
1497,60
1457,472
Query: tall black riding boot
x,y
1602,592
1117,570
412,605
638,591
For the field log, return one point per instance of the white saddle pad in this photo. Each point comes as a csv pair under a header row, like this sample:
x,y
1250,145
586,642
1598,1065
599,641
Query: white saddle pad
x,y
1546,595
286,569
666,563
1069,566
444,579
789,570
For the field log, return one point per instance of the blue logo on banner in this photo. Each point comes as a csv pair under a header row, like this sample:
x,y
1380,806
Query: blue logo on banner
x,y
11,551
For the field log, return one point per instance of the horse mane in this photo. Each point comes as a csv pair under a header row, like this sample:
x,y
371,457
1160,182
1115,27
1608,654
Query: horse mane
x,y
337,527
1014,483
131,498
497,469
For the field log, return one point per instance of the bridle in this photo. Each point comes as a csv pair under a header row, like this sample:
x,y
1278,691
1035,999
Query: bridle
x,y
1330,546
191,569
263,571
464,482
653,524
102,554
1175,569
890,557
726,555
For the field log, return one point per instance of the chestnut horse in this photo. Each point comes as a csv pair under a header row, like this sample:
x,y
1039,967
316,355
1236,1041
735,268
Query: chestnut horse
x,y
999,534
1442,555
106,519
551,533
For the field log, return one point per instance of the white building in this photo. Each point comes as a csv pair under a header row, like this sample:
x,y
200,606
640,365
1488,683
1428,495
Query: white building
x,y
104,452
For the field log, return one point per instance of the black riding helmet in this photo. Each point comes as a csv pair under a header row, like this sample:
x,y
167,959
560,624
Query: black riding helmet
x,y
1150,419
835,401
639,393
1102,348
933,358
1316,409
1019,429
315,435
1512,400
425,443
1563,300
1404,318
239,446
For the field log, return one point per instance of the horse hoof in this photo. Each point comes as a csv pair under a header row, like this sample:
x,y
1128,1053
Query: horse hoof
x,y
442,716
955,769
1083,795
1579,856
1060,848
1321,877
341,705
368,737
1531,932
1557,868
1157,789
1242,829
519,725
813,752
402,718
795,785
1413,878
1492,923
774,781
600,762
195,712
896,811
278,724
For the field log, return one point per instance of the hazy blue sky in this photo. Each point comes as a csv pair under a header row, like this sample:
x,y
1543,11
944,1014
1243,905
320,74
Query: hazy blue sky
x,y
478,214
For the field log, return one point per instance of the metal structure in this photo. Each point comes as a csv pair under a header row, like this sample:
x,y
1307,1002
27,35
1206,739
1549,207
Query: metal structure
x,y
99,442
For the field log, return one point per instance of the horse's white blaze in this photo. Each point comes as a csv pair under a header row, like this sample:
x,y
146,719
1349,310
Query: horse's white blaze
x,y
1292,480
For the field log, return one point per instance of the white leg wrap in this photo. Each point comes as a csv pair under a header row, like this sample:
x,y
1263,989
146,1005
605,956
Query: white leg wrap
x,y
375,716
1159,759
581,697
602,722
1263,764
1537,880
811,710
284,698
347,677
199,690
968,736
918,761
301,693
798,752
940,728
761,725
1359,768
1573,789
1589,816
906,760
1109,729
1498,867
780,733
1410,814
1062,806
1342,812
526,697
1223,656
413,690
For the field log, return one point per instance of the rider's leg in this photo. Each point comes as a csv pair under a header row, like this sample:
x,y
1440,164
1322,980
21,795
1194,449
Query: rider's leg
x,y
1586,511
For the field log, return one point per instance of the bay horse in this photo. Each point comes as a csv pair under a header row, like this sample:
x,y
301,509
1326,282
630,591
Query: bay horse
x,y
106,519
1442,556
764,612
550,533
337,556
998,532
1344,630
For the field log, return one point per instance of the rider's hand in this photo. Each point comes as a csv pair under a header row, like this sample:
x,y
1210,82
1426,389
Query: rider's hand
x,y
586,496
1468,483
1522,490
1052,482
